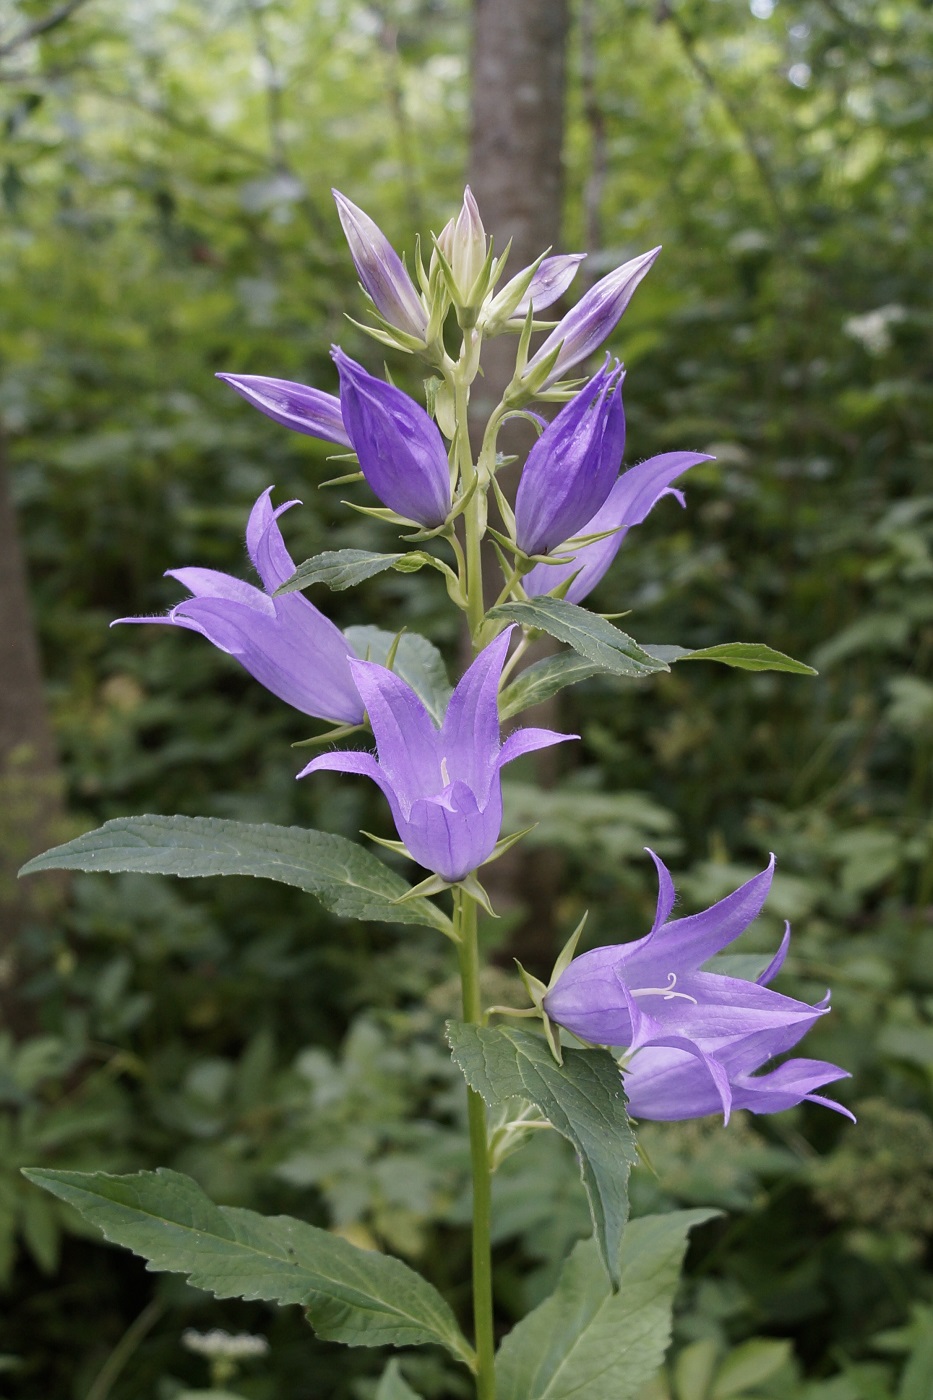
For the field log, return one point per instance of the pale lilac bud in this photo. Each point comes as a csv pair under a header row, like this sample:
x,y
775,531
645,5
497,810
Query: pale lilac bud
x,y
573,465
468,245
381,270
295,406
594,317
401,451
548,282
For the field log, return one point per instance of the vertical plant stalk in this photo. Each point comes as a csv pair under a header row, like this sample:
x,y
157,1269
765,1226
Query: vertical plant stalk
x,y
465,923
473,521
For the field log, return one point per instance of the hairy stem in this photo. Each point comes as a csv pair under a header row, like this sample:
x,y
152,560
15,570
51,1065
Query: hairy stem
x,y
465,921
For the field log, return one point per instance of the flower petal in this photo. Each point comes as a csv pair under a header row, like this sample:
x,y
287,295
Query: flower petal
x,y
469,736
406,739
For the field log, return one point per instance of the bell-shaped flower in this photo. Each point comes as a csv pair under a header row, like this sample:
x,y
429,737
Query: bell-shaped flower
x,y
572,467
401,451
587,325
381,270
654,993
634,495
666,1084
285,643
443,785
296,406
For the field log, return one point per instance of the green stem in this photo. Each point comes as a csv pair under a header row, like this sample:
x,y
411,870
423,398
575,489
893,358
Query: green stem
x,y
473,522
465,921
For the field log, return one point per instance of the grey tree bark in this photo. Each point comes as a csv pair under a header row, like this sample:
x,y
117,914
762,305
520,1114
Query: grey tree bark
x,y
515,171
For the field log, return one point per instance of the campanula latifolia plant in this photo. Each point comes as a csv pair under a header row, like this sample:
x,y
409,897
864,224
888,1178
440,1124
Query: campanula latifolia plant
x,y
657,1027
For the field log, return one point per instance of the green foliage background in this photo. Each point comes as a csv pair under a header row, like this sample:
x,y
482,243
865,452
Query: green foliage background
x,y
166,168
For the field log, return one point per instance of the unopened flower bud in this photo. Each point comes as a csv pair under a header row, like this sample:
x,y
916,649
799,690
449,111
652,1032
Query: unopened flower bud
x,y
381,270
587,325
572,467
401,451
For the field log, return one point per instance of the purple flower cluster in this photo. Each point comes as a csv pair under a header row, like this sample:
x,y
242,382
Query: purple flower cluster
x,y
694,1038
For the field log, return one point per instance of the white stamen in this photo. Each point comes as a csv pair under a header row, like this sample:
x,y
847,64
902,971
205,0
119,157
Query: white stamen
x,y
667,992
445,776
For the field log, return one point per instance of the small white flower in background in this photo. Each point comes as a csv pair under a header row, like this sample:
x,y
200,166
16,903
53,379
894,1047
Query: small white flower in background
x,y
229,1346
873,330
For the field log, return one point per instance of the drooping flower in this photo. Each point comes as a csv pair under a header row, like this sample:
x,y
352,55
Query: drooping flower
x,y
285,643
652,995
295,406
667,1084
381,270
634,495
401,451
443,785
587,324
572,467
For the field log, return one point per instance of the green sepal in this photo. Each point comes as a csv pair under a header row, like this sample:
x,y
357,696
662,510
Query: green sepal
x,y
342,731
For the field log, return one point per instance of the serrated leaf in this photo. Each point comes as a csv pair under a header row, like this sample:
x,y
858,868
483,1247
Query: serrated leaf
x,y
544,679
590,635
351,1295
588,1343
393,1385
347,879
416,660
338,569
582,1099
747,656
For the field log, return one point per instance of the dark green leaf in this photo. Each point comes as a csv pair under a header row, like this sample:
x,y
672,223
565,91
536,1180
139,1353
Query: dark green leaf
x,y
587,1343
582,1099
544,679
747,656
347,879
338,568
590,635
416,660
351,1295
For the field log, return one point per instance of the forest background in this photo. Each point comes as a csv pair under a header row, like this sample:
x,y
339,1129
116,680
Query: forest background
x,y
166,167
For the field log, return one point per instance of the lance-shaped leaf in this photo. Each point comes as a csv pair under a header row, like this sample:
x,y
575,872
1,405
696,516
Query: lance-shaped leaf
x,y
544,679
582,1099
590,635
351,1295
587,1343
338,568
347,879
414,658
747,656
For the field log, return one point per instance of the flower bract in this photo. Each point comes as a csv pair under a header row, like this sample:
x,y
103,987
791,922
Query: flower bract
x,y
653,995
286,643
401,451
571,468
635,493
443,785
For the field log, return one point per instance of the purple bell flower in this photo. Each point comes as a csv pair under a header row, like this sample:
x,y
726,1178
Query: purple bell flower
x,y
572,467
295,406
652,994
551,280
594,317
634,495
381,270
443,785
667,1084
401,451
285,643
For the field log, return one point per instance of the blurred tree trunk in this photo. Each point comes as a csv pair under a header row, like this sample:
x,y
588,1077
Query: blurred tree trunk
x,y
515,171
31,805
